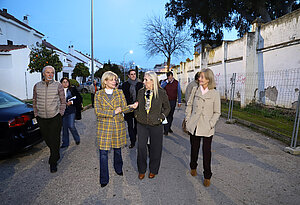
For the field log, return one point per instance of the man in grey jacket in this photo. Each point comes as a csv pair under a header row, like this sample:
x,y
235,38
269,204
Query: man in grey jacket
x,y
190,86
49,105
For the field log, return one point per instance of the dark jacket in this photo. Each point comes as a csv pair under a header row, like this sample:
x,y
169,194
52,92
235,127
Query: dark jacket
x,y
77,103
129,100
160,108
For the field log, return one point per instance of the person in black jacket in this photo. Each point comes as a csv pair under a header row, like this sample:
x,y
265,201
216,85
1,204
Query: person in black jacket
x,y
130,89
73,110
153,108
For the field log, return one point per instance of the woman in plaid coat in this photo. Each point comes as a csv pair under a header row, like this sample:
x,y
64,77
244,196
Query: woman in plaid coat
x,y
110,103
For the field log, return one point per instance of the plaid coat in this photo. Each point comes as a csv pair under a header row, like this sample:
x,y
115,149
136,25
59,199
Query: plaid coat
x,y
111,131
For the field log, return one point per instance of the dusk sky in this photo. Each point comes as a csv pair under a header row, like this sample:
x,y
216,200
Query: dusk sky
x,y
118,26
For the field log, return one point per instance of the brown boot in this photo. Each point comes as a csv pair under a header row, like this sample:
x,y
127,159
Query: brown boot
x,y
193,172
141,176
151,176
206,182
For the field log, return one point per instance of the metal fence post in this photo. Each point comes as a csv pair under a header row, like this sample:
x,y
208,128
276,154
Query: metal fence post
x,y
231,101
296,125
293,149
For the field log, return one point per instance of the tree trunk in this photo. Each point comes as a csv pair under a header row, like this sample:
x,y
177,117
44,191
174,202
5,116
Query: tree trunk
x,y
263,11
168,63
288,7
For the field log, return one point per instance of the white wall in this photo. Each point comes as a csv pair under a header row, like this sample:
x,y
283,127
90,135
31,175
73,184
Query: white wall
x,y
17,33
14,77
267,63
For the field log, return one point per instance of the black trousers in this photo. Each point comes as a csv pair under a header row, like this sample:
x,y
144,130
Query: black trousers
x,y
167,127
50,129
155,133
132,129
92,98
206,151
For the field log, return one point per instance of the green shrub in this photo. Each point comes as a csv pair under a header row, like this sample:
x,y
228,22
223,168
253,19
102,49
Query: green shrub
x,y
74,82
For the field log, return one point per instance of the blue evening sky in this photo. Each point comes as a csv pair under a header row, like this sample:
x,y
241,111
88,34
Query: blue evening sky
x,y
118,26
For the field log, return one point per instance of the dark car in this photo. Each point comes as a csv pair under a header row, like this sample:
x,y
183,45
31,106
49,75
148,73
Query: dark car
x,y
18,126
85,87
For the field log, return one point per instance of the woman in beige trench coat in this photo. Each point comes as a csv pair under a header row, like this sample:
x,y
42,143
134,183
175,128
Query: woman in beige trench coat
x,y
202,113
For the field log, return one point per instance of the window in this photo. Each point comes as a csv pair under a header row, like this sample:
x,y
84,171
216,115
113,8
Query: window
x,y
65,75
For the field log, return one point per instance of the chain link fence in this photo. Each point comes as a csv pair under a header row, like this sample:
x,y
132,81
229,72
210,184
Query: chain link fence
x,y
273,95
273,88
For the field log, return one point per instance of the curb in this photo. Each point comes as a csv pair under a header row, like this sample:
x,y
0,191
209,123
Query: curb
x,y
285,139
86,107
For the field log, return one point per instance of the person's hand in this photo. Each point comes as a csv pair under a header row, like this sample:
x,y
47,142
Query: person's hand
x,y
179,104
69,103
134,105
118,110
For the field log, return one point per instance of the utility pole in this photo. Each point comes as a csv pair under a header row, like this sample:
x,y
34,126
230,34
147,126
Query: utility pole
x,y
92,42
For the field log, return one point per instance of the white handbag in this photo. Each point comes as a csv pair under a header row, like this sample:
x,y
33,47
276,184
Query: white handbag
x,y
165,121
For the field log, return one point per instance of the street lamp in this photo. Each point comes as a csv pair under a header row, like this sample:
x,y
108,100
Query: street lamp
x,y
92,41
130,52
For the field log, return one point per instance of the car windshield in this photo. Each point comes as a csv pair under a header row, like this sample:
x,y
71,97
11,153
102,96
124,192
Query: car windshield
x,y
7,100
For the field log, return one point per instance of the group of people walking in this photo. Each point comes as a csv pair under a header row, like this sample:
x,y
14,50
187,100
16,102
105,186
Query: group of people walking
x,y
147,108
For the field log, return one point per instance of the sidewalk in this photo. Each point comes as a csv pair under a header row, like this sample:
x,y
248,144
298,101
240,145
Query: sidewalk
x,y
248,168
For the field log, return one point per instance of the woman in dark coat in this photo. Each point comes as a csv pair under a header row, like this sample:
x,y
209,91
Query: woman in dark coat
x,y
73,110
152,110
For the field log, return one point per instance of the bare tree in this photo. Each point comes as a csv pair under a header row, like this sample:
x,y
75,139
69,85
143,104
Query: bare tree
x,y
162,37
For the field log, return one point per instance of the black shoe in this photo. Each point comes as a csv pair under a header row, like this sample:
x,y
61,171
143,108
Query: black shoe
x,y
165,133
77,143
131,146
103,185
64,146
171,131
53,168
120,174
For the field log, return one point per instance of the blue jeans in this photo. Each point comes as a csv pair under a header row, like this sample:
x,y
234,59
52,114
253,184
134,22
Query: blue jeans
x,y
69,124
118,164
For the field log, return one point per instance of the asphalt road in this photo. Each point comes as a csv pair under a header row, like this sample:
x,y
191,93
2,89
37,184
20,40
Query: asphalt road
x,y
248,168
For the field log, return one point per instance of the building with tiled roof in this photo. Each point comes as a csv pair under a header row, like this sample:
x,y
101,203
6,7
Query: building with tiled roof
x,y
7,48
16,39
16,32
78,57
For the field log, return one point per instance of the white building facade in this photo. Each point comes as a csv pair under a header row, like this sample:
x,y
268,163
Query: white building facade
x,y
16,39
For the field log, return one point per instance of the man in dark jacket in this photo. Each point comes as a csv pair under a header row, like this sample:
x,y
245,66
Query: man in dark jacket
x,y
173,89
130,89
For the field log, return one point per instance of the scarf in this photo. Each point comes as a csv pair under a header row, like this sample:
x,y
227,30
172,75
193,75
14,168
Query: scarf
x,y
132,89
148,95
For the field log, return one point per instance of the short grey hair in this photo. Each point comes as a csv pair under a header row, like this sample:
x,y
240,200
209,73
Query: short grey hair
x,y
48,66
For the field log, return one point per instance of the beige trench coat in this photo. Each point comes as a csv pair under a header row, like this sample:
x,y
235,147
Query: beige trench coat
x,y
202,112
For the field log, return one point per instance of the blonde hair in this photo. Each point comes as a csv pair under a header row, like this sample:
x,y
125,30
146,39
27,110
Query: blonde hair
x,y
153,77
108,75
209,75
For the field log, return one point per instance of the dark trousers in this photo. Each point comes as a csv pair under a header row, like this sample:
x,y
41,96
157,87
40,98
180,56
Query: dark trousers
x,y
155,133
118,164
206,150
92,98
50,130
167,127
132,129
